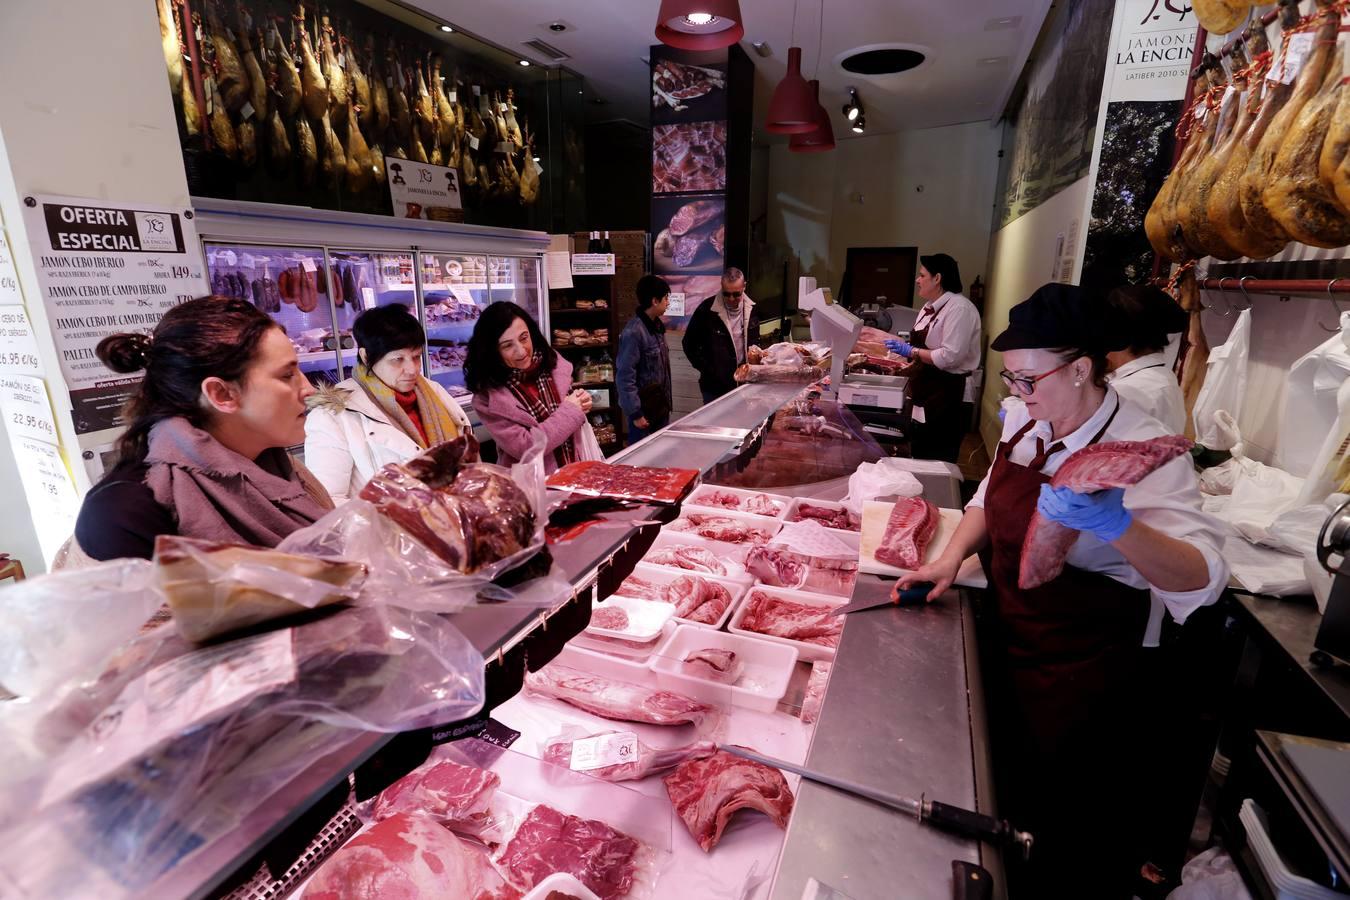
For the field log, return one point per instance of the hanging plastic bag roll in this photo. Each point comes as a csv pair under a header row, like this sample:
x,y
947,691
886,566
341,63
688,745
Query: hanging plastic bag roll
x,y
1225,385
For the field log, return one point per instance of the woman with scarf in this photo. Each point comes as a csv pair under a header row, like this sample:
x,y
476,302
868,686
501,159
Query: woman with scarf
x,y
204,454
522,390
386,412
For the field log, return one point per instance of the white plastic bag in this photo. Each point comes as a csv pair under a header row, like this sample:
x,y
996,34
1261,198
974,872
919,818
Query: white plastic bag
x,y
1310,408
1225,384
1260,494
66,624
1211,876
889,476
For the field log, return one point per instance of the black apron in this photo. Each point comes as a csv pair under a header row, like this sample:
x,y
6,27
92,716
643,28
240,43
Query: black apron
x,y
940,394
1066,682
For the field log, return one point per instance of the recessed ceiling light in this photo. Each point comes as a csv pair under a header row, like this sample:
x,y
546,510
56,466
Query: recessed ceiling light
x,y
447,29
524,62
700,19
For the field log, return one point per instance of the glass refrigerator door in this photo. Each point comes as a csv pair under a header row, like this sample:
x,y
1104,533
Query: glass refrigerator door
x,y
517,279
290,285
454,293
363,279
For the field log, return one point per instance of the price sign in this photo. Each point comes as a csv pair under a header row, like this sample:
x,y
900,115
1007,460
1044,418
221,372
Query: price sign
x,y
18,346
27,411
9,277
604,751
676,307
592,263
52,500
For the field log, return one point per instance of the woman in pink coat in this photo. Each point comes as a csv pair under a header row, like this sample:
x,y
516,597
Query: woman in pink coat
x,y
522,388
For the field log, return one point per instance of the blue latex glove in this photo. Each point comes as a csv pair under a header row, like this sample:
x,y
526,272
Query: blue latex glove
x,y
900,347
1102,514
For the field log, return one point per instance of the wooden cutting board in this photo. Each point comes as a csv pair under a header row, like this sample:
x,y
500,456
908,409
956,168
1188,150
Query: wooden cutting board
x,y
874,518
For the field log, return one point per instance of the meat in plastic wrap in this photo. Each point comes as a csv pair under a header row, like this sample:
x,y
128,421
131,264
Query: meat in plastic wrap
x,y
753,374
647,483
174,745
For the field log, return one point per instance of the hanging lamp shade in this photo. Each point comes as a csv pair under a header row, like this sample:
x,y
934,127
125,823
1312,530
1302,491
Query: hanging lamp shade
x,y
821,138
699,24
792,109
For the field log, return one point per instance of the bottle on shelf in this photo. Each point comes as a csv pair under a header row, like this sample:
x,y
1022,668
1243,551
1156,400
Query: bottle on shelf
x,y
605,366
605,245
593,246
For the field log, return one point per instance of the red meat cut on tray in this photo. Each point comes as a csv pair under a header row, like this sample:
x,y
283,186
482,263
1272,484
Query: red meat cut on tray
x,y
615,699
714,664
694,559
645,483
457,796
650,760
1096,467
639,588
780,617
720,528
548,841
841,519
407,857
707,792
909,531
780,567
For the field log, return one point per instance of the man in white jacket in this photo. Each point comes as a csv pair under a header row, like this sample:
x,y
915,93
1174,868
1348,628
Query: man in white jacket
x,y
386,412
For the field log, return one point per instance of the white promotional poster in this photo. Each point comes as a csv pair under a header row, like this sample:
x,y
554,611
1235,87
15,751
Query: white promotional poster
x,y
423,191
103,269
1152,52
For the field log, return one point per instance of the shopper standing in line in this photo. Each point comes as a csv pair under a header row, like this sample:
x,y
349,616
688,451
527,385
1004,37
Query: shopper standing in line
x,y
386,412
522,390
944,348
204,454
642,372
720,332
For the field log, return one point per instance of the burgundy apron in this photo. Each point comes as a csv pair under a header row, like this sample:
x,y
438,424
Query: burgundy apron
x,y
940,394
1067,690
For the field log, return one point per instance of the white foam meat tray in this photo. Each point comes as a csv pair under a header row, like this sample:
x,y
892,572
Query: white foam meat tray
x,y
762,683
805,651
704,490
663,575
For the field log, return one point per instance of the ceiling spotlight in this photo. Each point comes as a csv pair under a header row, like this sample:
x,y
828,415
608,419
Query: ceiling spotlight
x,y
860,124
853,108
447,29
524,62
699,24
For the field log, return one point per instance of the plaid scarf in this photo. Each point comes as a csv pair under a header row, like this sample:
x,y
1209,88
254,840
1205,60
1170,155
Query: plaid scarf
x,y
538,394
437,424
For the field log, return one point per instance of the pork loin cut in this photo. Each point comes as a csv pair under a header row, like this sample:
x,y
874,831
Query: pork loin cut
x,y
406,857
708,792
780,617
1097,467
615,699
909,531
548,841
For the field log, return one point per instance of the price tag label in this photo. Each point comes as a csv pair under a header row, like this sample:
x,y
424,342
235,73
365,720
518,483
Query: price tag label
x,y
462,294
454,96
675,308
504,147
604,750
307,264
246,111
1295,56
473,142
481,727
27,411
18,345
9,276
368,295
477,90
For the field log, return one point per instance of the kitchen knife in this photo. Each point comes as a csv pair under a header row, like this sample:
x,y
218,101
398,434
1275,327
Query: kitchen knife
x,y
971,882
914,595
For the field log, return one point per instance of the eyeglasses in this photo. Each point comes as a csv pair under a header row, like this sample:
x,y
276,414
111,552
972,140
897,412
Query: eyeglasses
x,y
1026,384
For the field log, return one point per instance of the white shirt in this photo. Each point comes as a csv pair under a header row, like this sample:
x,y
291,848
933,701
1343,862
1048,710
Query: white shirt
x,y
1149,384
737,323
1168,499
953,325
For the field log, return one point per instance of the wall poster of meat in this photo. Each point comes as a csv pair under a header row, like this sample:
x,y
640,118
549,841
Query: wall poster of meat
x,y
286,101
689,156
687,87
692,234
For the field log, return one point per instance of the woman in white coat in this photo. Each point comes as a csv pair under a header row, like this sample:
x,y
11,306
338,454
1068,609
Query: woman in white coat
x,y
386,412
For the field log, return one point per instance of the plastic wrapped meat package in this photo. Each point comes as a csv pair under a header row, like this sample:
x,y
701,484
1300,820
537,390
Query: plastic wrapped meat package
x,y
173,745
647,483
436,530
617,755
815,691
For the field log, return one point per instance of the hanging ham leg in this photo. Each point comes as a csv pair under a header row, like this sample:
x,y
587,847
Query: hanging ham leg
x,y
222,131
1155,225
445,113
1194,361
398,97
361,94
339,86
308,150
279,142
231,79
1192,205
377,164
257,83
358,155
333,163
379,91
311,75
192,114
289,90
425,108
173,52
1297,197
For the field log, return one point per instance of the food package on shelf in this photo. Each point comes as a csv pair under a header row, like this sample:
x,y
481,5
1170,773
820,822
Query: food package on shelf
x,y
214,588
173,746
561,338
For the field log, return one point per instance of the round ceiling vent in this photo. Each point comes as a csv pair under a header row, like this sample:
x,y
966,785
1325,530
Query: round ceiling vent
x,y
881,60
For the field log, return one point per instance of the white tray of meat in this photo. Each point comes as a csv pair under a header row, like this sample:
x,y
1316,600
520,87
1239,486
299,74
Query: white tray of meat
x,y
725,527
578,656
833,515
793,618
877,516
700,599
711,496
724,668
626,619
690,553
560,884
629,650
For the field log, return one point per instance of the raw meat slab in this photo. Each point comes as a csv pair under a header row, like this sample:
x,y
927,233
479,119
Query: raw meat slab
x,y
707,792
548,841
613,699
875,515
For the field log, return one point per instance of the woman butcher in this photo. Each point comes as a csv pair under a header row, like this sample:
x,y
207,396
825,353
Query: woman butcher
x,y
1073,663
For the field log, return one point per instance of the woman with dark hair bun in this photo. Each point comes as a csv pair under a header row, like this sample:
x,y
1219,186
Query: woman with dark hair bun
x,y
386,412
522,388
204,452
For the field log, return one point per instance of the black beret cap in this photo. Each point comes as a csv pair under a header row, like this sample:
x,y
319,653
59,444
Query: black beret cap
x,y
1058,316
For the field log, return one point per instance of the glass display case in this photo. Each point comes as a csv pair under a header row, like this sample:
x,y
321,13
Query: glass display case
x,y
292,286
455,291
366,279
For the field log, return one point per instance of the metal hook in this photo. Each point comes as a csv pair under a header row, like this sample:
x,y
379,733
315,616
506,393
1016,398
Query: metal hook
x,y
1242,286
1228,307
1336,305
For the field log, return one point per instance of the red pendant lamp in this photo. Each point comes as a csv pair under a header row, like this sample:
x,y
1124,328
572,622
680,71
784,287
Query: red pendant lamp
x,y
699,24
819,139
792,109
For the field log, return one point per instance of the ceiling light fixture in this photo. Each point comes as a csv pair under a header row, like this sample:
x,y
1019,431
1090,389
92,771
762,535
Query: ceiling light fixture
x,y
853,108
820,138
524,62
860,124
447,29
791,109
699,24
